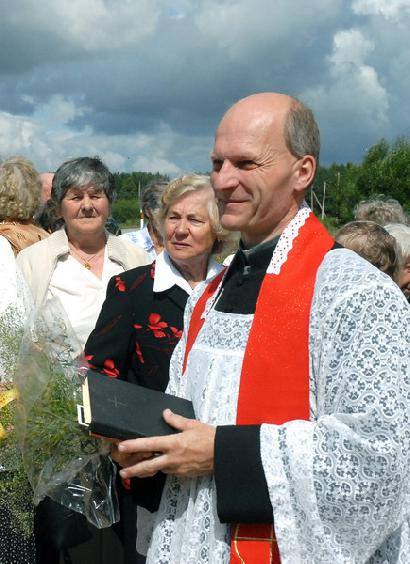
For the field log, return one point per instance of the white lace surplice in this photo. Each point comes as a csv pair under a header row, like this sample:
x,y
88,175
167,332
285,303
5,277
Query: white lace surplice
x,y
339,483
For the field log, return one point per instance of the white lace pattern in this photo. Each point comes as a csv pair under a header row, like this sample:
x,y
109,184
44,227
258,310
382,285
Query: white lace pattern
x,y
339,483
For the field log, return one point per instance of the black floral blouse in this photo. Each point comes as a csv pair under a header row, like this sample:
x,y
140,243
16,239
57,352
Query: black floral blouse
x,y
137,329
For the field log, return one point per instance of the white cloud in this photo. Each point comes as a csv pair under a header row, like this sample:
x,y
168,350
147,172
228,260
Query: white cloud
x,y
92,26
241,27
352,95
48,139
386,8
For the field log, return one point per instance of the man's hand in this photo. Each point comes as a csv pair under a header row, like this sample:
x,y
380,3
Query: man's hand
x,y
186,454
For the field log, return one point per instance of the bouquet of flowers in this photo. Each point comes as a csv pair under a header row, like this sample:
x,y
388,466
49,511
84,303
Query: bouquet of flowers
x,y
61,460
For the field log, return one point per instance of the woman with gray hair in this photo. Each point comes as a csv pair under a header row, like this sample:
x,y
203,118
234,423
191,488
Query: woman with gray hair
x,y
76,262
401,276
147,303
20,192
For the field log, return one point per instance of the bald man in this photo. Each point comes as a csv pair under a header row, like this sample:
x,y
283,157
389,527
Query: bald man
x,y
296,362
46,182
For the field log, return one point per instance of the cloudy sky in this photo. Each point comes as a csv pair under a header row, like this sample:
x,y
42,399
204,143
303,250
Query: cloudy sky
x,y
143,83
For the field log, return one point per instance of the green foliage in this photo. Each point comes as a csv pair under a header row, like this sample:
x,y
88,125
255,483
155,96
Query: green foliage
x,y
126,210
385,170
128,184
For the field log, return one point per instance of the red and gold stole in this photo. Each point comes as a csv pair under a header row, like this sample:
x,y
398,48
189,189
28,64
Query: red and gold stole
x,y
274,385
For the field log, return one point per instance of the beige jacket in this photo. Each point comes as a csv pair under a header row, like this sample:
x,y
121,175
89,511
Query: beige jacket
x,y
39,261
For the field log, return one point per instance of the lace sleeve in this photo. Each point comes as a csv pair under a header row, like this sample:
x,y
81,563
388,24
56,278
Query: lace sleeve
x,y
339,484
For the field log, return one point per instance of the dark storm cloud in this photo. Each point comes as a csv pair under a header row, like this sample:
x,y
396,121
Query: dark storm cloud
x,y
158,76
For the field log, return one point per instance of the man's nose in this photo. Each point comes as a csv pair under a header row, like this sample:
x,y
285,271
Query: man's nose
x,y
226,178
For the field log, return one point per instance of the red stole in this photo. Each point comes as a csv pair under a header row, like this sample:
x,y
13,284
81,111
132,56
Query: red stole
x,y
274,384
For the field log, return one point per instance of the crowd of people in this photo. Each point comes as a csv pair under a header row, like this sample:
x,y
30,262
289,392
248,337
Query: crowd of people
x,y
295,356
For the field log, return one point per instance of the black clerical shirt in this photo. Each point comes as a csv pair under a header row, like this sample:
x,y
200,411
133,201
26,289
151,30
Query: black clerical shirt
x,y
242,491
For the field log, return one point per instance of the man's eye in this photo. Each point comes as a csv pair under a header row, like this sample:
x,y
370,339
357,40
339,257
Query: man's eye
x,y
246,165
216,165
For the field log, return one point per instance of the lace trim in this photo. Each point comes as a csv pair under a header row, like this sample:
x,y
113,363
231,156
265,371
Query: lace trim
x,y
285,243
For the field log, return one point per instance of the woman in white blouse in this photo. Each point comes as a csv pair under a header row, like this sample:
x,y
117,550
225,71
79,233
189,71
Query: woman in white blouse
x,y
76,262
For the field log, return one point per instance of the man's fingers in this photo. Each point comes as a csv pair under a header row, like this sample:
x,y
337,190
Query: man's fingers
x,y
152,444
144,469
177,421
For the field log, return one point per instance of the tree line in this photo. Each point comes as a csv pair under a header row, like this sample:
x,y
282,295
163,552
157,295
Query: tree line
x,y
384,171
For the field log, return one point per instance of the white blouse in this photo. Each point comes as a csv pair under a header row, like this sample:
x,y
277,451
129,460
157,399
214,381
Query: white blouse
x,y
81,292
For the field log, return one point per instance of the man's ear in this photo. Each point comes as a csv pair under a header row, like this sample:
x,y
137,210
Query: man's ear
x,y
305,172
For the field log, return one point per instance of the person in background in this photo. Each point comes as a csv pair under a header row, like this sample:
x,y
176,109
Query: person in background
x,y
46,179
401,234
20,192
78,260
372,242
380,210
149,237
74,264
142,317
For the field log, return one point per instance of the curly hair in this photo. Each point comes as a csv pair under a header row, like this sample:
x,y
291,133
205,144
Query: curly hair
x,y
20,189
372,242
381,211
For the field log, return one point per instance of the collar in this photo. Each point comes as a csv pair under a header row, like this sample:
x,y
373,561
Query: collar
x,y
167,275
58,242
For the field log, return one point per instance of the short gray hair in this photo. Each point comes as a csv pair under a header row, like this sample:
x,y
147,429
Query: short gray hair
x,y
401,233
151,196
79,172
301,132
177,188
381,211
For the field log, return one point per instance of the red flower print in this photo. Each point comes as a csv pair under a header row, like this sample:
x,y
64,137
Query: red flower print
x,y
137,326
119,284
177,332
139,352
109,368
126,482
156,325
87,358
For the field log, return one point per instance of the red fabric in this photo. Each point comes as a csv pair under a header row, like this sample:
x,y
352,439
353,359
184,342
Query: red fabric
x,y
197,321
274,384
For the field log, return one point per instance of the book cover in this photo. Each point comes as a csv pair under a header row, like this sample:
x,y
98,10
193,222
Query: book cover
x,y
122,410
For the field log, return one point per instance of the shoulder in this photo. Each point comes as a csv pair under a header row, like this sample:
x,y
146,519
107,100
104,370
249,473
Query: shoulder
x,y
127,253
347,281
54,244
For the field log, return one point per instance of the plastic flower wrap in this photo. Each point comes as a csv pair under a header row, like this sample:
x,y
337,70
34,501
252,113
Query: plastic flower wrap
x,y
61,459
15,490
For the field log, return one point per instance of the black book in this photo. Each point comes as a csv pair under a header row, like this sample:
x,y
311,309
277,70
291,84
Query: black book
x,y
121,410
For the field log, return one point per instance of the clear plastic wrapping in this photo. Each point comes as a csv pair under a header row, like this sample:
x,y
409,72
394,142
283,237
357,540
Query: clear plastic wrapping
x,y
61,459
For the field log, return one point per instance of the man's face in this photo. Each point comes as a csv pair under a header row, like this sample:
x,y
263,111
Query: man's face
x,y
254,175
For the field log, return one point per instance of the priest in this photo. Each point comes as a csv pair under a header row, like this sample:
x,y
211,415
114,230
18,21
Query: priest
x,y
296,361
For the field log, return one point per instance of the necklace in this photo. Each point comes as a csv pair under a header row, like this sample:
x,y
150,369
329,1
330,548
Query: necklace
x,y
86,261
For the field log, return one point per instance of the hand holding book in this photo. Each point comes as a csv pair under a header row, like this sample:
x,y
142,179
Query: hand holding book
x,y
188,453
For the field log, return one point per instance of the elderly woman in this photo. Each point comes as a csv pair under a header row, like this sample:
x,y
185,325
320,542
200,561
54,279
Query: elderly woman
x,y
142,318
20,193
76,262
149,237
401,275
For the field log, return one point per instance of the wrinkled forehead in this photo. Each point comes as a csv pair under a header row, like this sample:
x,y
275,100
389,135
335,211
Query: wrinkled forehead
x,y
89,188
245,132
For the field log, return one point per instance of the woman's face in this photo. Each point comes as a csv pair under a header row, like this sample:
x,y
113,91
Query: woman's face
x,y
403,278
85,210
187,229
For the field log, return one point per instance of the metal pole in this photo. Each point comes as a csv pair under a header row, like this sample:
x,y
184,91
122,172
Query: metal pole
x,y
324,196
